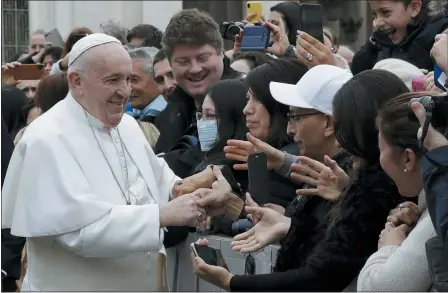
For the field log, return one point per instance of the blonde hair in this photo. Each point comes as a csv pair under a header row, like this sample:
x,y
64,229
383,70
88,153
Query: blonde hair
x,y
150,131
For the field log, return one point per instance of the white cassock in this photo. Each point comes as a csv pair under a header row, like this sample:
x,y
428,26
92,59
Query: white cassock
x,y
60,193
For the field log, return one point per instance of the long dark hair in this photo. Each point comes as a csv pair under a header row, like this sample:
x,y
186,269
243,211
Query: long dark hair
x,y
13,102
355,107
286,70
229,98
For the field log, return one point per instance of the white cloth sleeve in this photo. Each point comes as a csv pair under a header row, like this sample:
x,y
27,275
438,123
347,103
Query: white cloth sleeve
x,y
124,230
400,268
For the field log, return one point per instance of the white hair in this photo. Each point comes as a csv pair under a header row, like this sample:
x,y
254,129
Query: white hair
x,y
146,54
80,65
113,28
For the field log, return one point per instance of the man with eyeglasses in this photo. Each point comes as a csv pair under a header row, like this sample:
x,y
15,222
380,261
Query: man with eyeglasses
x,y
311,124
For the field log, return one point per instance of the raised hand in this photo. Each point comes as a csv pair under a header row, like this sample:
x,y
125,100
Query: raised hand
x,y
239,150
220,200
272,227
328,179
312,52
280,41
433,139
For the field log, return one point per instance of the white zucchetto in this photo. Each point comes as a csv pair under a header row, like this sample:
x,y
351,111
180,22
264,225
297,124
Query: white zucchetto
x,y
89,42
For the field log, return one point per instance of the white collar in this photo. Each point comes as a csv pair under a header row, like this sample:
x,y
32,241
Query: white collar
x,y
82,113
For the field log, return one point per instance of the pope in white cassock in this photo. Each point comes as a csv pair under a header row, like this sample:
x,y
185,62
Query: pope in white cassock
x,y
87,191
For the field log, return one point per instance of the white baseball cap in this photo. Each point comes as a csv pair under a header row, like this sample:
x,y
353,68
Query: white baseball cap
x,y
404,70
315,90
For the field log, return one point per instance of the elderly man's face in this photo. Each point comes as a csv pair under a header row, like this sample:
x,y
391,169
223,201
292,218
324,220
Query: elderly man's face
x,y
104,89
144,88
37,43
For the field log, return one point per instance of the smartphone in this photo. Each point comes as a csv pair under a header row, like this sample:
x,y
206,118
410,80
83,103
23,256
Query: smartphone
x,y
255,38
26,72
311,21
258,178
437,73
210,255
55,38
418,84
227,173
254,7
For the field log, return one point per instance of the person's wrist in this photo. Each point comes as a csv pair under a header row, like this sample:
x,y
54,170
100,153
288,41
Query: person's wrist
x,y
286,224
279,159
226,282
164,217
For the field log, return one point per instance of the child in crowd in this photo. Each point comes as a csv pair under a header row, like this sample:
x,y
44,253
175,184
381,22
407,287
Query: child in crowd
x,y
403,30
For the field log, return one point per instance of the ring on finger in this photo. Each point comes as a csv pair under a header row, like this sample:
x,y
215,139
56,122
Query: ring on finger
x,y
400,206
390,224
309,56
201,217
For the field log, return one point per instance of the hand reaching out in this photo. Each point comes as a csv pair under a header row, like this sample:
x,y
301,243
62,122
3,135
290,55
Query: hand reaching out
x,y
272,227
433,139
239,150
329,179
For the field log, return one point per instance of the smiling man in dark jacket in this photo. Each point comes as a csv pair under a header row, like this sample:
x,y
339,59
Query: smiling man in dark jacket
x,y
195,50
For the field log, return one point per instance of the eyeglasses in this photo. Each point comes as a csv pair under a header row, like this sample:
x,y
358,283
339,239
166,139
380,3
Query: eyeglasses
x,y
296,117
205,116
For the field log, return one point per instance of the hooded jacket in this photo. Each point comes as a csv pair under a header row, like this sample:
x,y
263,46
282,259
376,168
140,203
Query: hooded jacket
x,y
414,49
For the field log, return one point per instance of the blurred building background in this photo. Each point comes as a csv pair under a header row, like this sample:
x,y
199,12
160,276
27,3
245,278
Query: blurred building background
x,y
350,19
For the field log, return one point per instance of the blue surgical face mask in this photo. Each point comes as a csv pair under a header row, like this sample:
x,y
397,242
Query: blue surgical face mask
x,y
208,134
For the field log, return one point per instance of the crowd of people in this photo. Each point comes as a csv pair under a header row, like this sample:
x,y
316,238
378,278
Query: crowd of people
x,y
115,154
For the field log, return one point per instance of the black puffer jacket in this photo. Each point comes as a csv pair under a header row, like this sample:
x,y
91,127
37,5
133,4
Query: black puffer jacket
x,y
414,49
350,239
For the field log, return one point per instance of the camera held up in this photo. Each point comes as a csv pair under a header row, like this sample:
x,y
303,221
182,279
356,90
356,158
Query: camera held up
x,y
436,109
230,29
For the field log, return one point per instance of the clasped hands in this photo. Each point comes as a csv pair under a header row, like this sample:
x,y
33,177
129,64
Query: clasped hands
x,y
201,196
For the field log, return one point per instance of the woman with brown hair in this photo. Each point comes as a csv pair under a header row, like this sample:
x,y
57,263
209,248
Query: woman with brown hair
x,y
51,90
74,36
401,263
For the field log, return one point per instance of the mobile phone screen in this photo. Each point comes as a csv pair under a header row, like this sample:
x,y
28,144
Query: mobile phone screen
x,y
311,21
210,255
227,173
258,178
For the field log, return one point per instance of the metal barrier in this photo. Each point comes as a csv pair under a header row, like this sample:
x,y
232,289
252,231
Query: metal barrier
x,y
181,277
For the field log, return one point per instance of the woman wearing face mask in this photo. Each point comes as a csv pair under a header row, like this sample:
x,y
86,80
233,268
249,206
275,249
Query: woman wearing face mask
x,y
400,264
403,31
220,119
267,119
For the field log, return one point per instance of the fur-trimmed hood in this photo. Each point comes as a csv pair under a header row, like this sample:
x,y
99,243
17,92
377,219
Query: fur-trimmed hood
x,y
436,8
